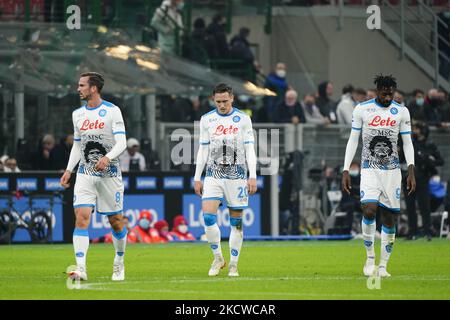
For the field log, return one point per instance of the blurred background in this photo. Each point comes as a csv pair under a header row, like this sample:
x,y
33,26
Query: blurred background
x,y
297,67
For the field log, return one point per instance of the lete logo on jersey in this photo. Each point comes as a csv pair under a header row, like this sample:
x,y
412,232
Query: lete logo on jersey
x,y
88,125
379,122
220,129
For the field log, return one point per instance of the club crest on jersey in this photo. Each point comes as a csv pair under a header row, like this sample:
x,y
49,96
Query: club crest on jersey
x,y
394,110
236,119
379,122
102,113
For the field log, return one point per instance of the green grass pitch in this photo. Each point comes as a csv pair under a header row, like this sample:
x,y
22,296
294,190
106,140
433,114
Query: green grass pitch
x,y
269,270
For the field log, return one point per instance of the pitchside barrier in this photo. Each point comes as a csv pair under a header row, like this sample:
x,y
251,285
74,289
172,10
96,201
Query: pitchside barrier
x,y
164,194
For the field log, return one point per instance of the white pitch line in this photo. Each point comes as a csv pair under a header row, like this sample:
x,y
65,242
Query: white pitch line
x,y
243,279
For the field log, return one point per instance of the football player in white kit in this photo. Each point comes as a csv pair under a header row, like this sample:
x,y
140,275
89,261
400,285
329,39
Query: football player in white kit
x,y
226,143
99,138
381,120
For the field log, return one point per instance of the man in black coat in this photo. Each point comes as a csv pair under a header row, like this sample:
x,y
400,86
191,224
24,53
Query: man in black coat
x,y
426,158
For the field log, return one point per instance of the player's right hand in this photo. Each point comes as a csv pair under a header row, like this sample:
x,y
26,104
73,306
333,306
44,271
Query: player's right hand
x,y
346,185
198,187
65,179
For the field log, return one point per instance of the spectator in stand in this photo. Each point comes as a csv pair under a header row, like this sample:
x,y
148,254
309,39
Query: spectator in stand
x,y
415,107
444,42
107,238
143,230
399,97
371,94
10,165
131,159
217,30
327,107
445,108
433,109
163,229
289,110
311,111
200,107
359,95
59,156
166,20
202,45
275,82
42,156
240,50
180,230
346,105
246,104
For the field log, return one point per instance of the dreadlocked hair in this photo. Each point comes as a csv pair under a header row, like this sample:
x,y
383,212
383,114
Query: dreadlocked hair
x,y
382,81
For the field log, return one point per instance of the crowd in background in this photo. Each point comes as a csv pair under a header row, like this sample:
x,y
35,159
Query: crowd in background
x,y
148,231
431,107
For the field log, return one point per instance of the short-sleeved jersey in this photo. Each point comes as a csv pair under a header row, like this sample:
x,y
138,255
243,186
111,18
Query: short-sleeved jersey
x,y
380,127
95,129
226,136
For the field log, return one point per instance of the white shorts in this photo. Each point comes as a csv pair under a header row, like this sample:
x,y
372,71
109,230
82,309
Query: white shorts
x,y
234,192
382,187
106,194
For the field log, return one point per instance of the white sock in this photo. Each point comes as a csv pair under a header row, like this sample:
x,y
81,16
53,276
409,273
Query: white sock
x,y
80,246
213,236
236,239
387,242
368,228
120,243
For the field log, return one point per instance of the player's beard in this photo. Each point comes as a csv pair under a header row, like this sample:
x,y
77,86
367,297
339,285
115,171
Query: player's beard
x,y
85,97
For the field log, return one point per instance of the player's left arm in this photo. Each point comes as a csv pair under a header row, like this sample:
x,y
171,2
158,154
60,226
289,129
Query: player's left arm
x,y
250,156
408,149
118,130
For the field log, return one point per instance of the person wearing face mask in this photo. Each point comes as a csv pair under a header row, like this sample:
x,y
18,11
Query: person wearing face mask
x,y
163,229
107,238
312,112
180,230
444,42
167,20
276,82
432,108
426,157
143,230
415,107
289,110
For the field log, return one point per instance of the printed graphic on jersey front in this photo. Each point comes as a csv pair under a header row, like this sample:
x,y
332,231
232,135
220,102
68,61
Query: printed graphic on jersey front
x,y
380,151
226,160
92,152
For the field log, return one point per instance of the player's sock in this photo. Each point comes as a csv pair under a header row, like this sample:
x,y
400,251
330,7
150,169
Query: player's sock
x,y
387,242
236,239
80,246
212,232
120,243
368,227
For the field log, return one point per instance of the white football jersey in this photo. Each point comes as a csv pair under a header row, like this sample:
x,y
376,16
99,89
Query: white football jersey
x,y
95,129
380,129
226,136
